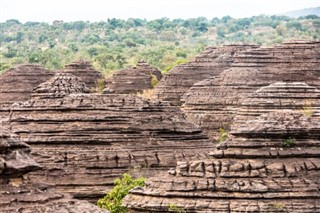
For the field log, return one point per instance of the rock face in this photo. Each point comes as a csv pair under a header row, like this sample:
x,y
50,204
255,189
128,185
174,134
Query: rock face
x,y
212,103
17,83
133,80
17,195
85,72
60,85
85,141
270,163
210,63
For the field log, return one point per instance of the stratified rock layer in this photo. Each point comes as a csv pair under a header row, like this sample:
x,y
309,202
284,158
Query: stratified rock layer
x,y
17,84
133,80
17,195
210,63
85,141
270,163
85,72
212,103
60,85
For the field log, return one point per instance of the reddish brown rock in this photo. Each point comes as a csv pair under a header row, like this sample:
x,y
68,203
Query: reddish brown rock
x,y
17,194
85,141
270,163
85,72
212,103
133,80
210,63
17,84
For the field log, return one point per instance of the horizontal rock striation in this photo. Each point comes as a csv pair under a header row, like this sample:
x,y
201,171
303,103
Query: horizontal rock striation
x,y
212,103
60,85
270,163
133,80
17,84
85,141
85,72
210,63
17,194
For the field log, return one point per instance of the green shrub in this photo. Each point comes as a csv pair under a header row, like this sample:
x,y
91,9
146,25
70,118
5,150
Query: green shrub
x,y
174,208
288,142
223,135
154,81
113,200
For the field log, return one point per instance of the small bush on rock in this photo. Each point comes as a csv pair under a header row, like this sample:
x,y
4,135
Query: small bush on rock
x,y
113,200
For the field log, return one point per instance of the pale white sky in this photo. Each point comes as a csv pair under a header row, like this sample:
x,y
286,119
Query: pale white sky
x,y
97,10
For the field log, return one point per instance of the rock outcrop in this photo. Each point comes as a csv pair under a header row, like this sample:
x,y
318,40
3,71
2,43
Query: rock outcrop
x,y
17,194
212,103
210,63
133,80
85,72
60,85
270,163
17,84
85,141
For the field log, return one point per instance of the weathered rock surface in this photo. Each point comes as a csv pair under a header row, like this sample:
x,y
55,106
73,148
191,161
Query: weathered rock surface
x,y
60,85
85,141
16,84
270,163
212,103
133,80
85,72
210,63
17,195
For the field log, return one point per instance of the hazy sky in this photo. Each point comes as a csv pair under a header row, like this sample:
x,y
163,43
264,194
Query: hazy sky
x,y
96,10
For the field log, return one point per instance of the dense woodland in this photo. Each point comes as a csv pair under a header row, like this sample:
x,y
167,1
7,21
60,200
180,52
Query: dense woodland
x,y
115,44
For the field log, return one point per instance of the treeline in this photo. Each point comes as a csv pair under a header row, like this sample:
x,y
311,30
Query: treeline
x,y
115,43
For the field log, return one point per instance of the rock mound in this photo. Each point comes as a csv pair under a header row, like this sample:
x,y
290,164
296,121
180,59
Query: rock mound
x,y
210,63
212,103
133,80
61,84
16,84
16,194
85,141
263,167
84,71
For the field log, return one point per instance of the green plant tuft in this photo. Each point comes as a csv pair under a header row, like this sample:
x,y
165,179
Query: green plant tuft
x,y
154,81
223,135
174,208
113,200
289,142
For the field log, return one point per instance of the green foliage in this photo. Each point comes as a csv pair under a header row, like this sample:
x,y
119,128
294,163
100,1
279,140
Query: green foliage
x,y
289,142
174,208
113,200
278,205
154,81
223,135
307,109
116,44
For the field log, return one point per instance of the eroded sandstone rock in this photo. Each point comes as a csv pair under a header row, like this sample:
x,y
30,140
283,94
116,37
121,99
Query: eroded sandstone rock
x,y
85,72
85,141
256,169
17,194
133,80
210,63
212,103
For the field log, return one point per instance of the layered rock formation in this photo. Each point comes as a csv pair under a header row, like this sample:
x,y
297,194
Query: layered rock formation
x,y
84,71
17,195
17,84
270,163
210,63
133,80
85,141
60,85
212,103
